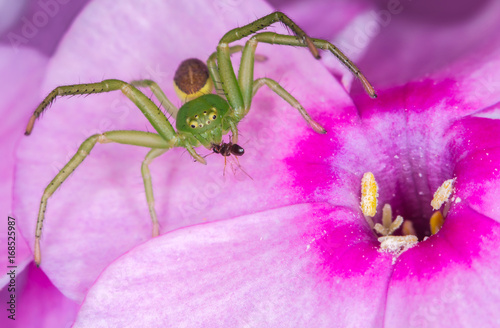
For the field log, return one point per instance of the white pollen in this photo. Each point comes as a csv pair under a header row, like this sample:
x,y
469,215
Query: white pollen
x,y
396,156
458,200
442,194
396,245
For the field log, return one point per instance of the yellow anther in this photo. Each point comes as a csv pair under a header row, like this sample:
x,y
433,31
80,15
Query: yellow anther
x,y
442,194
369,194
436,222
408,229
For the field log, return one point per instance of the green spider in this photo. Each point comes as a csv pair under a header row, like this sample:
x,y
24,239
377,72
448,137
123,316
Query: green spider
x,y
205,117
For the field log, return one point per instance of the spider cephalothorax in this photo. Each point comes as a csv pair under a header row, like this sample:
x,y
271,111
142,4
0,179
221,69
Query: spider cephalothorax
x,y
204,118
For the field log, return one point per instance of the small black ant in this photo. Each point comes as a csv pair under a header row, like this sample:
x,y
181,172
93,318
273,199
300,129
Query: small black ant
x,y
228,149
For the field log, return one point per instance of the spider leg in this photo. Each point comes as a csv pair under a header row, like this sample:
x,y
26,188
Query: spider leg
x,y
212,63
230,84
289,40
280,91
148,185
157,119
262,23
159,94
245,74
137,138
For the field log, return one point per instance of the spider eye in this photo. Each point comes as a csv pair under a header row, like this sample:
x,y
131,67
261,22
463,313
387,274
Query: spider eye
x,y
193,124
212,116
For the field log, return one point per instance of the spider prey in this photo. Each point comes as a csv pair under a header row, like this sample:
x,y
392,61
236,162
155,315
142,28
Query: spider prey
x,y
205,117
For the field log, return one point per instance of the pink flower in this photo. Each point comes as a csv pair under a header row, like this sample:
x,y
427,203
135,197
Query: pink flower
x,y
100,212
24,57
291,247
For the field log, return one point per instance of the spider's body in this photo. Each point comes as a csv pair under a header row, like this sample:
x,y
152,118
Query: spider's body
x,y
204,118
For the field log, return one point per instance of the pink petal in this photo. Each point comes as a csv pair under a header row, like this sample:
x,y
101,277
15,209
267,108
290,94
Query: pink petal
x,y
414,137
323,19
403,41
38,302
10,12
101,211
292,272
418,43
458,284
41,24
477,169
20,74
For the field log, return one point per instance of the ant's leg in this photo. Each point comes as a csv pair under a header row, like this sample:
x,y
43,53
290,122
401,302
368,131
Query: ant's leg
x,y
157,119
159,94
137,138
280,91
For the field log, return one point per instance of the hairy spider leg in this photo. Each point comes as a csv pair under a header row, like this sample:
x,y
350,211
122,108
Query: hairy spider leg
x,y
280,91
232,89
213,69
289,40
273,85
165,139
148,185
136,138
147,107
212,64
159,94
240,91
245,74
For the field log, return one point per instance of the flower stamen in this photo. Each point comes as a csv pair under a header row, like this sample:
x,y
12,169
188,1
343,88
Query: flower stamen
x,y
436,222
408,229
397,244
388,243
442,194
369,194
388,226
